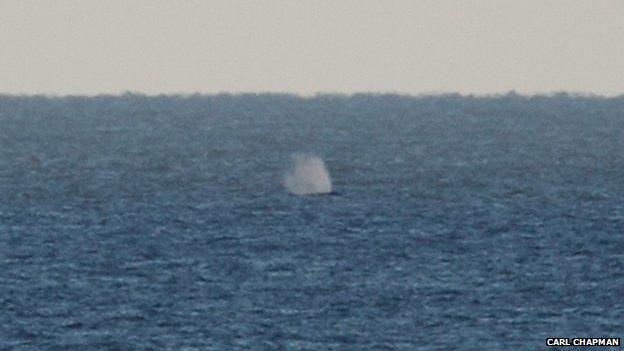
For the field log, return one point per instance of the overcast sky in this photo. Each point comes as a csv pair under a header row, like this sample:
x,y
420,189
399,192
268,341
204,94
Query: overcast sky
x,y
149,46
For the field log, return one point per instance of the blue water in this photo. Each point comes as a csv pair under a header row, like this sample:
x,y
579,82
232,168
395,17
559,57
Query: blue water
x,y
147,223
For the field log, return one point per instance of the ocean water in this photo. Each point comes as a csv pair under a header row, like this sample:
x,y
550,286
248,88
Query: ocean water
x,y
455,223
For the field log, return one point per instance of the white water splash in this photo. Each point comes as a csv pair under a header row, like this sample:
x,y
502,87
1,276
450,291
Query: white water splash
x,y
308,175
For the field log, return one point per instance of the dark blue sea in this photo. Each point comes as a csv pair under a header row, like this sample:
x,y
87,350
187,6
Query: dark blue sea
x,y
455,223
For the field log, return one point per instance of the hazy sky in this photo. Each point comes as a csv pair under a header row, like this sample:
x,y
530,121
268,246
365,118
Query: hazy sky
x,y
480,46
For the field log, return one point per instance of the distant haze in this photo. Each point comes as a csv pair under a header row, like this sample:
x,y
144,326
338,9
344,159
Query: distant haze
x,y
148,46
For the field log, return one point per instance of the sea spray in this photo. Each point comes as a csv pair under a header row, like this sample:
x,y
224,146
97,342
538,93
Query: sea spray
x,y
307,175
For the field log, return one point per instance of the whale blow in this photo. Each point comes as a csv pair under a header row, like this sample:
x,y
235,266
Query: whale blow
x,y
307,176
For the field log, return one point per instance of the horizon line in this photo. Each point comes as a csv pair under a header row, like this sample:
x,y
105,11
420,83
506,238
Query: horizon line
x,y
559,93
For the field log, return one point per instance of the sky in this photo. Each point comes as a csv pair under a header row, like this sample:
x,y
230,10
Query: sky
x,y
306,47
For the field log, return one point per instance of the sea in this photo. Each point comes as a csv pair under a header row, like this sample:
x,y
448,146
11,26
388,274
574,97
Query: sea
x,y
454,222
